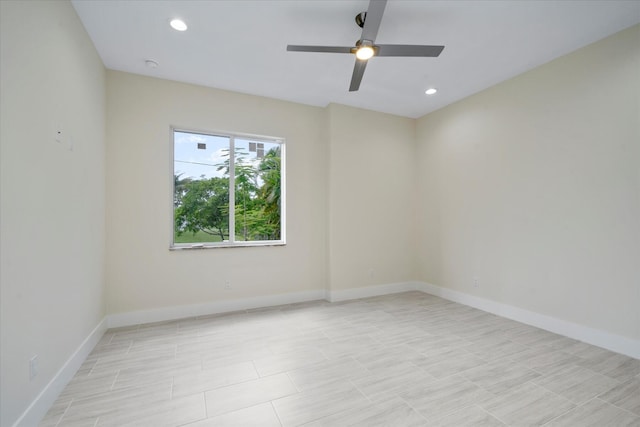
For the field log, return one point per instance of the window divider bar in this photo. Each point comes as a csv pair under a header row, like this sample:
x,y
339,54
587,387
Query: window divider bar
x,y
232,189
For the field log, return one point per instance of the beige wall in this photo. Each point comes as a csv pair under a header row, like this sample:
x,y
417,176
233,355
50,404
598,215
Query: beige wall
x,y
533,187
52,199
364,158
371,198
142,272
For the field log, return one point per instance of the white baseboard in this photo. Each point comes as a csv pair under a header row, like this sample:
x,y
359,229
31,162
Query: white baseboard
x,y
371,291
613,342
131,318
39,407
597,337
184,311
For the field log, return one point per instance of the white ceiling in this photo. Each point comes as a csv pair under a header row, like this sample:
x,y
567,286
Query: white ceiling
x,y
241,45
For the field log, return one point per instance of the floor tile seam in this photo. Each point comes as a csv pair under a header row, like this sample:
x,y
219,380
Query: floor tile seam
x,y
531,381
480,386
129,348
64,413
566,412
124,328
458,372
542,374
139,337
101,394
524,366
173,383
253,364
627,378
359,363
134,363
115,379
446,413
573,407
350,381
275,411
191,423
325,335
510,389
206,410
175,354
414,409
315,419
223,386
312,420
91,395
291,381
93,367
578,404
620,383
491,414
619,407
330,374
206,406
604,373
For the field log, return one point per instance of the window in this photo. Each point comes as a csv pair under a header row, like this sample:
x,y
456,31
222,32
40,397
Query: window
x,y
228,190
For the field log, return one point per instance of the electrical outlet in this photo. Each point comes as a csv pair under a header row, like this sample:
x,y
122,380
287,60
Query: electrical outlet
x,y
475,282
227,285
33,367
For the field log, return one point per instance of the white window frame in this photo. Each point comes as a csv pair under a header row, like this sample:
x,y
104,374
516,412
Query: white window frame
x,y
232,242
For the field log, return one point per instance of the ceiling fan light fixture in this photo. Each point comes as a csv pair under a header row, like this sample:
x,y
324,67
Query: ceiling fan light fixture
x,y
431,91
178,25
365,52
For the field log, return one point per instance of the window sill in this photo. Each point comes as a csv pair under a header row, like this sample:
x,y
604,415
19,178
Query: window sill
x,y
199,246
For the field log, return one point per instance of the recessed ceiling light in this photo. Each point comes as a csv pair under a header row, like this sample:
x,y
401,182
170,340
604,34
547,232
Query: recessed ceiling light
x,y
151,63
431,91
178,25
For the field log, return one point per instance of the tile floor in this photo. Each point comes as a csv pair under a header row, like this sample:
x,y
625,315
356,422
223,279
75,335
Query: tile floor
x,y
407,359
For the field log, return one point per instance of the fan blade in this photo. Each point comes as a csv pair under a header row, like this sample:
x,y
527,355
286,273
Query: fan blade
x,y
408,50
373,19
322,49
358,72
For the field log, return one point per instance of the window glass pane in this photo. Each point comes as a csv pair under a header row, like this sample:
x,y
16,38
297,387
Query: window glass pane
x,y
201,188
257,190
226,190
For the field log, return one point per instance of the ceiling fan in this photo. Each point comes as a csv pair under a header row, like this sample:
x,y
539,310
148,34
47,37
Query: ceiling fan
x,y
366,48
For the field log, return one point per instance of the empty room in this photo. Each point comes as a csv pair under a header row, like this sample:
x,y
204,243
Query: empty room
x,y
319,213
